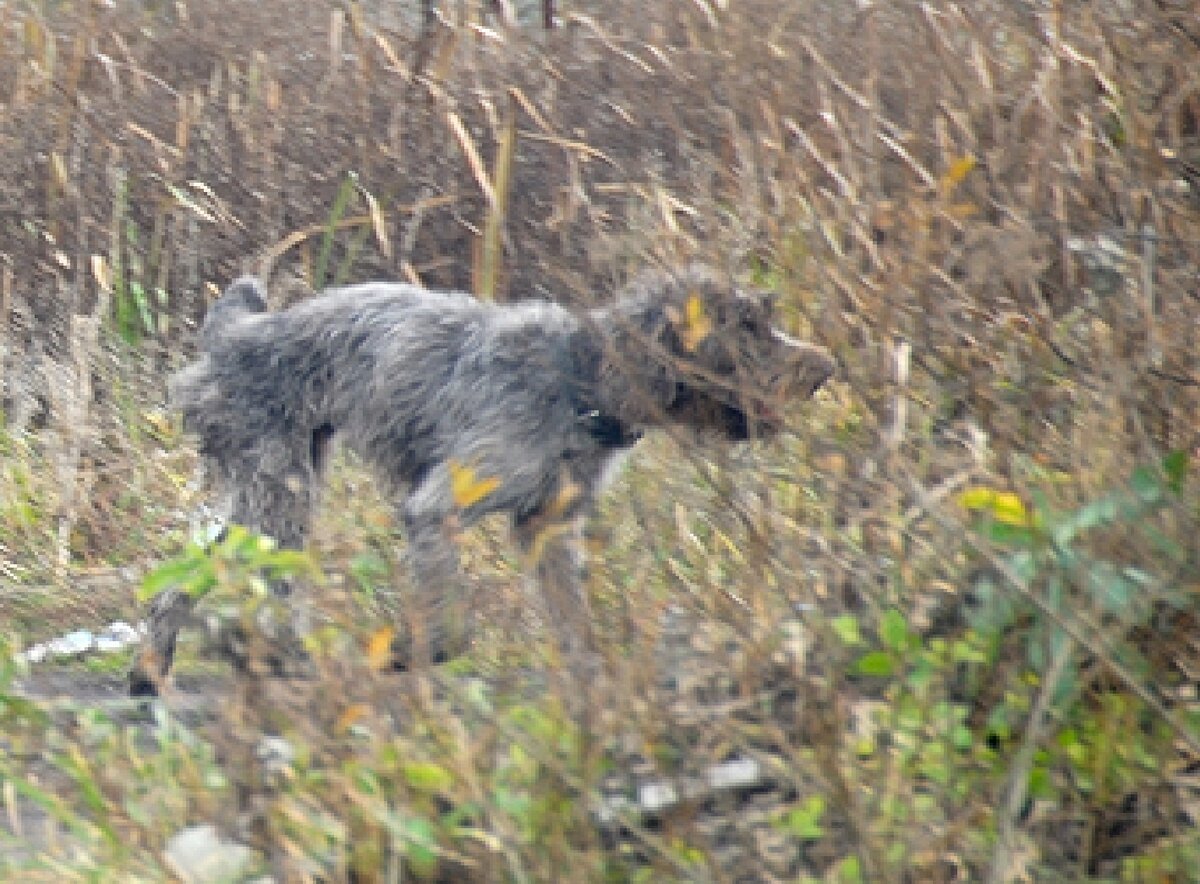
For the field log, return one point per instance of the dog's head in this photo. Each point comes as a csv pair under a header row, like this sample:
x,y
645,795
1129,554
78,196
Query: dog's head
x,y
727,366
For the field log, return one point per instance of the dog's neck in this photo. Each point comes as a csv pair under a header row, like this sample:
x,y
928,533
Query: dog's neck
x,y
600,412
618,389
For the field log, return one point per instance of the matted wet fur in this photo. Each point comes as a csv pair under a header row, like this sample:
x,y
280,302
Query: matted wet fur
x,y
425,384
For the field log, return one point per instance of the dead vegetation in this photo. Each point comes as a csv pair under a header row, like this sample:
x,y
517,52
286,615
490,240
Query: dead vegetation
x,y
989,210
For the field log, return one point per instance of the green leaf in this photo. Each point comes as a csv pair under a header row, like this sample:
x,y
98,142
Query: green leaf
x,y
967,650
1175,465
1035,648
1009,535
998,722
1040,785
366,780
1099,512
176,573
78,767
1024,565
686,853
53,805
1066,688
14,708
804,822
1133,661
961,737
1146,484
512,803
340,203
369,570
910,714
1055,591
876,663
425,776
921,675
1113,590
849,870
893,630
286,562
200,584
845,627
994,609
1166,546
421,846
240,539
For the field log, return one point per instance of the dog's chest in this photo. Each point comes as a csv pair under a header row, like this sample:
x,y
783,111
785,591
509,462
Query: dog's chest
x,y
610,468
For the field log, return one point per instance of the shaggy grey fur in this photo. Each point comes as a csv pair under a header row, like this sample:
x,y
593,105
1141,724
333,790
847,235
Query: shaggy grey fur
x,y
421,384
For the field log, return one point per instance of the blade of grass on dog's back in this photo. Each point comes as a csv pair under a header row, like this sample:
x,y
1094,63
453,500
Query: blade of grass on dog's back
x,y
489,261
340,202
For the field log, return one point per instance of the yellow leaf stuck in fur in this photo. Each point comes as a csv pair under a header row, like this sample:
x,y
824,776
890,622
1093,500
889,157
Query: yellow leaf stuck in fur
x,y
466,488
695,325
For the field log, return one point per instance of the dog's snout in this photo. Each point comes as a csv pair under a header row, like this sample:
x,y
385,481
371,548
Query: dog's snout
x,y
809,367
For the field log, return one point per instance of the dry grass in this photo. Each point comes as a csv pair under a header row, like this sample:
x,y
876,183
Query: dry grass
x,y
989,211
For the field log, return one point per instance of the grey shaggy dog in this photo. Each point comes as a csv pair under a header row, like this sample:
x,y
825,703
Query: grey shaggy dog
x,y
532,400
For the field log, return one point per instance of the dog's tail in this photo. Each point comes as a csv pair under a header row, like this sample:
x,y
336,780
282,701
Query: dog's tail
x,y
245,296
194,389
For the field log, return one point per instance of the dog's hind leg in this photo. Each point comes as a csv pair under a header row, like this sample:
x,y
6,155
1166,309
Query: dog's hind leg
x,y
271,491
275,494
275,491
168,612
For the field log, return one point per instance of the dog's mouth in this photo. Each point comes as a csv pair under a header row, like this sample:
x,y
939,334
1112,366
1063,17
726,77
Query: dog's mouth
x,y
751,405
762,416
767,413
757,419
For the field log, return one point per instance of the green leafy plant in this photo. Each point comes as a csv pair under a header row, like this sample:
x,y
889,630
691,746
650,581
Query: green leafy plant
x,y
1047,550
1076,604
240,557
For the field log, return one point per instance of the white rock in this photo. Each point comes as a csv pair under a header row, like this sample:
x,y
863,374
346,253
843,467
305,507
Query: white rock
x,y
72,644
116,636
736,774
656,796
199,855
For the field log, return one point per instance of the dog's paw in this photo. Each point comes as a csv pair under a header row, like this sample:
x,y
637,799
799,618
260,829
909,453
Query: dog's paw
x,y
443,646
142,685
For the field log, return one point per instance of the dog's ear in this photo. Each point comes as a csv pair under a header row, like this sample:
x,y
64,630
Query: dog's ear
x,y
665,338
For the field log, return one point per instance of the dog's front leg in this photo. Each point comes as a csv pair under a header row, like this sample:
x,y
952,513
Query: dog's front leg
x,y
553,551
436,623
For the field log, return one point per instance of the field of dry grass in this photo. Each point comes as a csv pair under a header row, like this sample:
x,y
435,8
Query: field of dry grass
x,y
945,630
